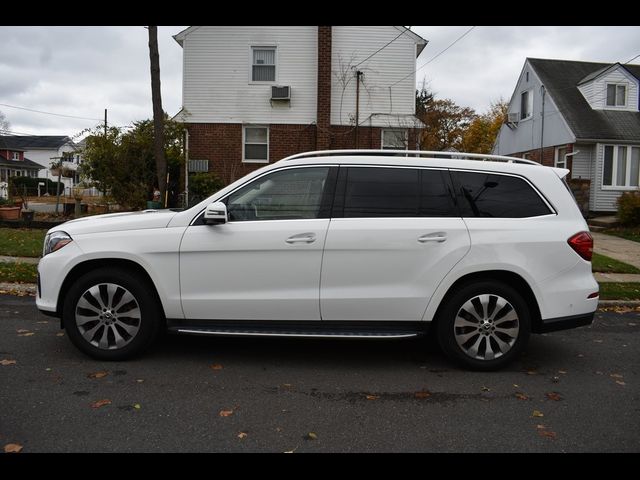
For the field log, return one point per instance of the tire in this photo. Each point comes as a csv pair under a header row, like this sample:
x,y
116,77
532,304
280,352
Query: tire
x,y
481,312
118,302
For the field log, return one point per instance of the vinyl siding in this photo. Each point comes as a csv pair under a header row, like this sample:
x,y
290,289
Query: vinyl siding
x,y
526,136
217,86
582,167
351,45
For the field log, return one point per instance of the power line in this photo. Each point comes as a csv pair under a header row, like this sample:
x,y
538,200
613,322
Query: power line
x,y
50,113
382,48
437,55
631,59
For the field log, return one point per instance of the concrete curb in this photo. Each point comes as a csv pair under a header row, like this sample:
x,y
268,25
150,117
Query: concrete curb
x,y
30,288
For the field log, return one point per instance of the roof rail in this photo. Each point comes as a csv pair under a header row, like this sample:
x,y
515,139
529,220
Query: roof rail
x,y
416,153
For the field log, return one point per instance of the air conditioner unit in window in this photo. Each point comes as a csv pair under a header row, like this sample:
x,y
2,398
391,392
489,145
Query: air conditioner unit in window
x,y
513,117
280,92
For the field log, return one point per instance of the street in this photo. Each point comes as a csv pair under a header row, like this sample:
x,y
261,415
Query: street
x,y
572,391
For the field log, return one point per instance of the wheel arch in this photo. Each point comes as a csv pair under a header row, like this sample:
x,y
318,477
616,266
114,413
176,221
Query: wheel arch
x,y
504,276
120,263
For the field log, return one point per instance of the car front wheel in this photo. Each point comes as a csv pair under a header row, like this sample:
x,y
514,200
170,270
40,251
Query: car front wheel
x,y
110,314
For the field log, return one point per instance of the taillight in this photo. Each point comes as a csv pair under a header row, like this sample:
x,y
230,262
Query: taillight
x,y
582,243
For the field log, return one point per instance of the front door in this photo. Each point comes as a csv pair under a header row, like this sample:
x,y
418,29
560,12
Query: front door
x,y
395,235
264,263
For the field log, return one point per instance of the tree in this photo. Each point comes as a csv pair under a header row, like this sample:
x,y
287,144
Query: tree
x,y
123,163
445,122
158,114
483,131
4,123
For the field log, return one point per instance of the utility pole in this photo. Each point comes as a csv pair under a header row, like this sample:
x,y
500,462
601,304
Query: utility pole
x,y
105,123
358,74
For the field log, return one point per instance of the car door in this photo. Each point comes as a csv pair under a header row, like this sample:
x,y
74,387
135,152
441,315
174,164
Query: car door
x,y
394,235
264,263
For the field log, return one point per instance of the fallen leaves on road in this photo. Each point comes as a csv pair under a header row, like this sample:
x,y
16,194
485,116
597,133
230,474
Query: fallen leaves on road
x,y
422,394
216,366
620,382
226,413
60,334
555,379
563,372
555,396
137,406
616,375
139,380
597,340
98,374
100,403
5,362
547,433
537,413
291,451
311,436
531,371
12,448
24,333
485,389
242,435
521,396
43,321
372,397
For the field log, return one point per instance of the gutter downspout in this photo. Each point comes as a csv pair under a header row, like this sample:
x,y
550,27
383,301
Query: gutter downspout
x,y
543,91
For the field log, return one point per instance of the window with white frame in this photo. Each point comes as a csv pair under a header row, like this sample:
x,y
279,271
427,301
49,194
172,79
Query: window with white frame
x,y
616,95
621,166
15,155
255,144
561,159
526,104
394,139
263,64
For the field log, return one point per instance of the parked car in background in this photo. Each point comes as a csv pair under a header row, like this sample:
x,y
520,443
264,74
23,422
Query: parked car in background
x,y
479,250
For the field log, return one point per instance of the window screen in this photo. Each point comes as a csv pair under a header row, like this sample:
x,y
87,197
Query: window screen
x,y
499,196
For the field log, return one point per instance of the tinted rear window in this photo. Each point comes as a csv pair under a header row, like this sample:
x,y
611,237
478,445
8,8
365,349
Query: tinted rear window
x,y
397,192
499,196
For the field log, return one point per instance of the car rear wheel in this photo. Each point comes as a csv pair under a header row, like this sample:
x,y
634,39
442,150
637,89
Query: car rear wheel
x,y
110,314
484,325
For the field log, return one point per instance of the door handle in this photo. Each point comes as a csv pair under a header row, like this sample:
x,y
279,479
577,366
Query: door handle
x,y
433,237
302,238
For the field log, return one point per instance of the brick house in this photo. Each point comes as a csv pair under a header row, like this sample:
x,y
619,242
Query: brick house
x,y
254,95
13,163
583,116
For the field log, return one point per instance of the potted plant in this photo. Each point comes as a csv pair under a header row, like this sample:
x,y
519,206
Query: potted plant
x,y
8,211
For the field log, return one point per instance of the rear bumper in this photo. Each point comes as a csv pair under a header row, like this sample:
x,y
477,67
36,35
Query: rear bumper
x,y
564,323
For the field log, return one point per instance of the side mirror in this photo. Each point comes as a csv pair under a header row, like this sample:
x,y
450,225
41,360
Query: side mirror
x,y
215,213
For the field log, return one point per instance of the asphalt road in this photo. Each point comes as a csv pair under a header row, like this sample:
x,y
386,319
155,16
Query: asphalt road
x,y
572,391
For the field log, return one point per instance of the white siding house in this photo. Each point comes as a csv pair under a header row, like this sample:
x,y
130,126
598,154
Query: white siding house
x,y
590,123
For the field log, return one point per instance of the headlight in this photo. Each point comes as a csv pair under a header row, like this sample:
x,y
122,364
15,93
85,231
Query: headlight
x,y
55,241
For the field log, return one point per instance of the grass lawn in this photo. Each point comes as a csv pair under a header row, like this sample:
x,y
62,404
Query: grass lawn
x,y
619,291
18,272
602,263
630,233
21,242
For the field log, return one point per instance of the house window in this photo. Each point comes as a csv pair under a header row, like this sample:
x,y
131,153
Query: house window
x,y
526,104
394,139
561,160
15,156
255,145
263,64
621,166
616,95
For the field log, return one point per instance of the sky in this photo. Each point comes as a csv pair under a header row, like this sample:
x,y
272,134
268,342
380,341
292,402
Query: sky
x,y
80,71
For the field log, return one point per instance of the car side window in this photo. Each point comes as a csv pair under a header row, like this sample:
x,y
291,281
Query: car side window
x,y
381,192
497,196
290,194
395,192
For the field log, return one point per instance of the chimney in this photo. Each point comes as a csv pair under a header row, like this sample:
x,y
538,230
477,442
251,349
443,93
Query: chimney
x,y
323,122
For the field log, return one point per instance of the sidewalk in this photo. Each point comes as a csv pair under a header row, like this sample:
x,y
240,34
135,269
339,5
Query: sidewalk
x,y
34,260
618,248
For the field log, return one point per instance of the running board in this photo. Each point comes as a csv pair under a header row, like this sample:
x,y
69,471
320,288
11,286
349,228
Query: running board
x,y
369,330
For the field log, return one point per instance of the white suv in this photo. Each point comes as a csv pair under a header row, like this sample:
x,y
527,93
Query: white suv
x,y
359,244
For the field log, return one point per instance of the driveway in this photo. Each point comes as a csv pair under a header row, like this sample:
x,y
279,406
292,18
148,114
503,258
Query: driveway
x,y
573,391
